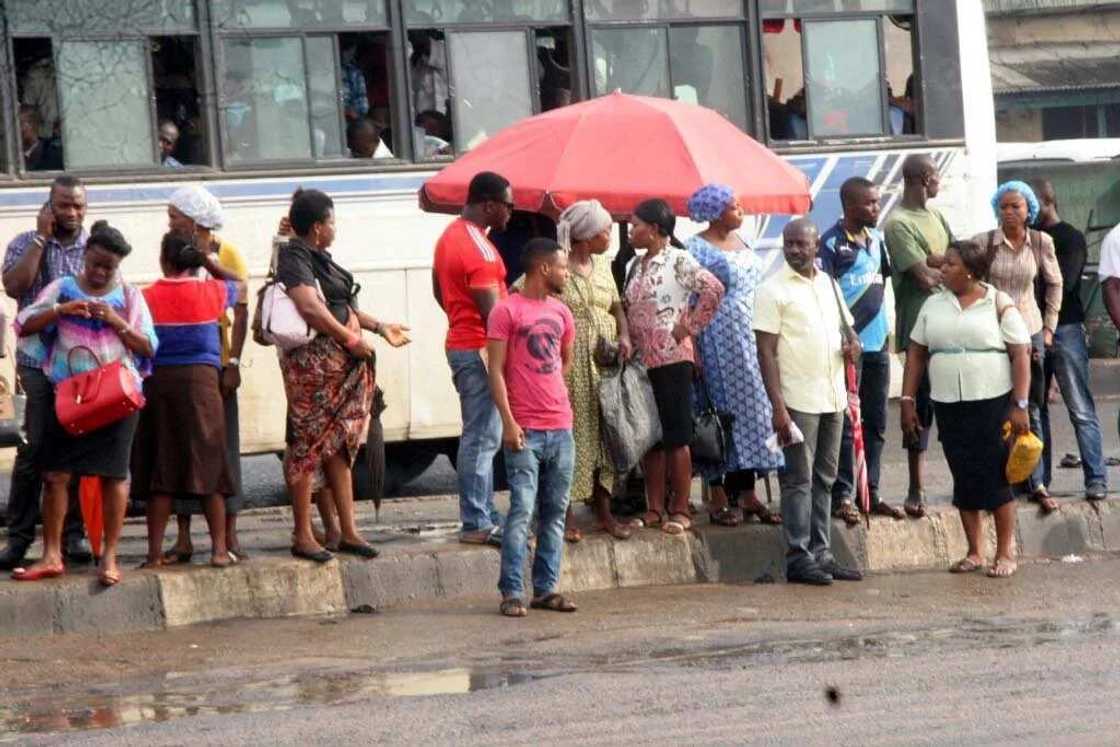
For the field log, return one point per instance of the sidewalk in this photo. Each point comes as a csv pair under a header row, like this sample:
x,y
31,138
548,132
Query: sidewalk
x,y
422,561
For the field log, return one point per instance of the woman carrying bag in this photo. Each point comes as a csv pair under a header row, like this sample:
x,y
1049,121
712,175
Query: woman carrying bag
x,y
88,321
329,381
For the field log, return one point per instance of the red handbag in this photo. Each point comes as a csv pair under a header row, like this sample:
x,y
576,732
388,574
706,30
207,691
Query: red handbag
x,y
92,400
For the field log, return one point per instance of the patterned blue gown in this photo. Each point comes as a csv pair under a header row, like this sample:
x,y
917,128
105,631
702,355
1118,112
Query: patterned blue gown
x,y
729,358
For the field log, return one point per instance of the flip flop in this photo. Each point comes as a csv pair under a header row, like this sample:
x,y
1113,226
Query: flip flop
x,y
513,608
108,578
174,557
762,513
964,565
648,520
572,535
1003,569
677,524
616,530
725,517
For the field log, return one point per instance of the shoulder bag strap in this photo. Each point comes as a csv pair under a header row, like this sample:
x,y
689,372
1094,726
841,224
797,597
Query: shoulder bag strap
x,y
845,328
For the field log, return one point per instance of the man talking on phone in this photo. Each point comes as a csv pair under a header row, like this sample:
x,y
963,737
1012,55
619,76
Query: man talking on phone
x,y
34,259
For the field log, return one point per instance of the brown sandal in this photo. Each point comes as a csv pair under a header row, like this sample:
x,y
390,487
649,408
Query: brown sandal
x,y
677,524
725,517
1044,500
847,512
513,607
573,535
553,602
765,515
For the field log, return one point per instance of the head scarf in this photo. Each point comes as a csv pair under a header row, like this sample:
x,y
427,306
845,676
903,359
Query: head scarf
x,y
708,203
580,222
1025,190
199,205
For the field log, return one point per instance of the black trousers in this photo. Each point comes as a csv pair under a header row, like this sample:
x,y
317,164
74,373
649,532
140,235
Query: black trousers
x,y
27,479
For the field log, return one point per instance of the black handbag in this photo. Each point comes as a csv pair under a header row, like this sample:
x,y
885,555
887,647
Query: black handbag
x,y
711,430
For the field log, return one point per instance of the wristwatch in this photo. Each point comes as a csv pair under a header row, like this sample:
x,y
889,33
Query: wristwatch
x,y
1022,404
234,361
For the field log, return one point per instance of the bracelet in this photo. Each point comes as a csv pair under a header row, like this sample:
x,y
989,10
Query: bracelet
x,y
906,398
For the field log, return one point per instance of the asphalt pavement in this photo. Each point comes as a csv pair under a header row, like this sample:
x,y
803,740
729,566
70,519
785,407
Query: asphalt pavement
x,y
926,658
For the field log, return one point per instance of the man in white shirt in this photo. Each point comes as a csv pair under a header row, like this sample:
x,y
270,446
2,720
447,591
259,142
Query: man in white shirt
x,y
804,335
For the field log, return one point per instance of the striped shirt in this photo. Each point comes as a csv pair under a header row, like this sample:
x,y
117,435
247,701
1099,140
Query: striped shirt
x,y
466,261
186,311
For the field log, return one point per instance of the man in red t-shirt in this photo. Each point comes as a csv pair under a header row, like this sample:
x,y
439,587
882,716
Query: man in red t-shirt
x,y
468,279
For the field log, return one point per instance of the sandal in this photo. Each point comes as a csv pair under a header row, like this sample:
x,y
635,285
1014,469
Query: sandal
x,y
648,520
1070,461
1045,501
37,574
513,607
553,602
915,506
1003,568
885,509
762,513
174,557
964,565
725,517
677,524
847,511
572,535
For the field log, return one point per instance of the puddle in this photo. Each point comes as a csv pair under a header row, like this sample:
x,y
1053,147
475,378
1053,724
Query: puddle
x,y
233,691
178,697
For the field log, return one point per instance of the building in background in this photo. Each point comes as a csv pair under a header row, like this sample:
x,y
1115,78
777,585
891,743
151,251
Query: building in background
x,y
1055,68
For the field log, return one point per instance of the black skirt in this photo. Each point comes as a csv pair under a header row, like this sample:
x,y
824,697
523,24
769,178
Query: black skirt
x,y
972,439
672,390
102,453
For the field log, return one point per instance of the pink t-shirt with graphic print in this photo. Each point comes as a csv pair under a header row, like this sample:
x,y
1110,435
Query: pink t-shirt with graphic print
x,y
535,331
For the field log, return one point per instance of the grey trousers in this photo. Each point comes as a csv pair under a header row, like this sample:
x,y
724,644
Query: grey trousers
x,y
806,483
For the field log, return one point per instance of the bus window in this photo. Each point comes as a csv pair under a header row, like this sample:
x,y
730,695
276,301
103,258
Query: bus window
x,y
296,14
898,44
843,83
554,68
707,69
182,123
440,12
801,7
785,81
648,10
631,60
264,100
40,133
492,84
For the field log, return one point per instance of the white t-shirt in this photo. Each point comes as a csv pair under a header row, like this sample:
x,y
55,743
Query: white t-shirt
x,y
1110,255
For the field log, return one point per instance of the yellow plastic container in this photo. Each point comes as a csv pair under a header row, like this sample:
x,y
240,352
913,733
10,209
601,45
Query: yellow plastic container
x,y
1022,456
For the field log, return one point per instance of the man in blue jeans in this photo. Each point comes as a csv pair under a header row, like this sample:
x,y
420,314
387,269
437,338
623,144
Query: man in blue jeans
x,y
529,340
1068,358
468,278
853,253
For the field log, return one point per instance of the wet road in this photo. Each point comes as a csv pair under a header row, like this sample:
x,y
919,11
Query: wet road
x,y
910,659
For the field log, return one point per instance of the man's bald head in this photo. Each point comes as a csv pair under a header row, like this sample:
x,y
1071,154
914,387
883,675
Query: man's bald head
x,y
800,240
917,167
800,228
1044,190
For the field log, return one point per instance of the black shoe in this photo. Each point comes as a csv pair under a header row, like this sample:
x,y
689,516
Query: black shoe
x,y
362,551
812,575
77,551
12,557
1096,492
840,573
319,557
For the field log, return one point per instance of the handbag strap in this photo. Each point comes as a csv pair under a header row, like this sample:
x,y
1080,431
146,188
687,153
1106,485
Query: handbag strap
x,y
845,328
76,348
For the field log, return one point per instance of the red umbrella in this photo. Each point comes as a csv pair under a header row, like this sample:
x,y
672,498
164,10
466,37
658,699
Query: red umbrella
x,y
623,149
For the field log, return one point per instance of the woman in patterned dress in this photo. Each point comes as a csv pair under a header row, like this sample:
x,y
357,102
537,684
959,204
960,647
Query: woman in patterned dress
x,y
584,230
729,359
670,298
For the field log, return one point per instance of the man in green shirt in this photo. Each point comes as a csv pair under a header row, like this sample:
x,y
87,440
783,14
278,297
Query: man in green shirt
x,y
917,237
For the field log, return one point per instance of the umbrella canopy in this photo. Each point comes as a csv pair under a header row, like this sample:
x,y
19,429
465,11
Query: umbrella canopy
x,y
620,150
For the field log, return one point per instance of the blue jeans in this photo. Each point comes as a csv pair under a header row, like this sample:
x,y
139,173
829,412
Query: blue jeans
x,y
874,374
479,443
540,480
1068,359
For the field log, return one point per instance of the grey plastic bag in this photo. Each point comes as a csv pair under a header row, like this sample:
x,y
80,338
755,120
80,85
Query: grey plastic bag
x,y
631,426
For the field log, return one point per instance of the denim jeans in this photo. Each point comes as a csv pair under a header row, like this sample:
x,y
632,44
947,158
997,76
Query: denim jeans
x,y
1034,410
874,374
27,481
540,481
479,443
806,483
1068,360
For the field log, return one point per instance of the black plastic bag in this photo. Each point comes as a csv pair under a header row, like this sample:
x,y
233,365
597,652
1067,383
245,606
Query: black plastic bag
x,y
631,426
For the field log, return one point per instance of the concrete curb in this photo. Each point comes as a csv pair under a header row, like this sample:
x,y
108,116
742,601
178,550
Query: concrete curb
x,y
270,587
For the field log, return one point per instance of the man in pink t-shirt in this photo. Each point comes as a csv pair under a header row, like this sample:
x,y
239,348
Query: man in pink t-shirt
x,y
529,341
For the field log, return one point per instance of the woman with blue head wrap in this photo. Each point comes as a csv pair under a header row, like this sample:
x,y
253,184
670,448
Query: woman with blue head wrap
x,y
1025,266
728,357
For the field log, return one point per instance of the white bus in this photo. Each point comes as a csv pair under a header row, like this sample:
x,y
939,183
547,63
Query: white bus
x,y
365,99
